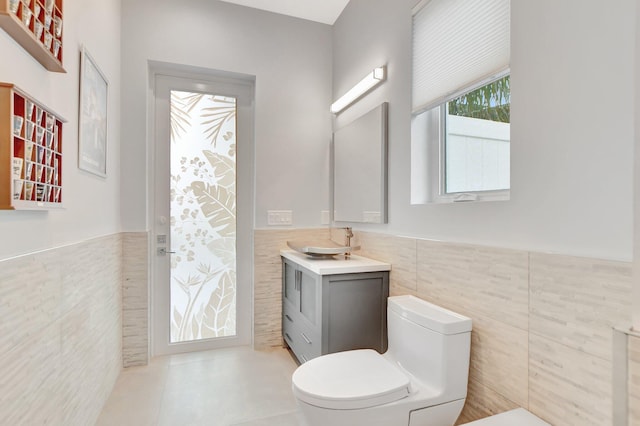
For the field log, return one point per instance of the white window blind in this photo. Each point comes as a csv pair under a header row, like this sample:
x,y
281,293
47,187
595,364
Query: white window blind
x,y
456,45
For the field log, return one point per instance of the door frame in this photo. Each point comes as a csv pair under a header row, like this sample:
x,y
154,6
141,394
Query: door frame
x,y
193,78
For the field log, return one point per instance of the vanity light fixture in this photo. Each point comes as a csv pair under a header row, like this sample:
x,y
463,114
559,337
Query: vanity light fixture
x,y
372,79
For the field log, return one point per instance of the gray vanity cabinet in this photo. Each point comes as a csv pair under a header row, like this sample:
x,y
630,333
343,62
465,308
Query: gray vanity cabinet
x,y
323,314
300,288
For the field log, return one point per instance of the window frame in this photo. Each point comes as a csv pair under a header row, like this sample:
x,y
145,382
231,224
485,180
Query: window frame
x,y
436,139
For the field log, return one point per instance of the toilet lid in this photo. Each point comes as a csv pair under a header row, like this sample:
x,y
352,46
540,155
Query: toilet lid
x,y
349,380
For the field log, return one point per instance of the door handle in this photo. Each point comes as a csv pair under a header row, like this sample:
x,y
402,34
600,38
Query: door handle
x,y
162,251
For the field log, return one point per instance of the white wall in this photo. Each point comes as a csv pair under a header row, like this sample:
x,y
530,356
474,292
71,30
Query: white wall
x,y
291,60
91,204
571,178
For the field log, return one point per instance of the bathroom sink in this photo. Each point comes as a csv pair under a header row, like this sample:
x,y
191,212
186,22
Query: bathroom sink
x,y
320,248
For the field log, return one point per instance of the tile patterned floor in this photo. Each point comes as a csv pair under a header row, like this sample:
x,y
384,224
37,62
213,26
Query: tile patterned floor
x,y
224,387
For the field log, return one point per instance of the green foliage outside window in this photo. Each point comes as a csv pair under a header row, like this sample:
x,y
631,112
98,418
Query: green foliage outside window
x,y
490,102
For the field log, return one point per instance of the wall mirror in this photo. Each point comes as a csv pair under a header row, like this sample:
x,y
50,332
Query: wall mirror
x,y
360,169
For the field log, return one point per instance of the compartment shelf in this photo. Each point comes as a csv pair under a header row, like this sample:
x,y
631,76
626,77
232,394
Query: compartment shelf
x,y
30,152
37,26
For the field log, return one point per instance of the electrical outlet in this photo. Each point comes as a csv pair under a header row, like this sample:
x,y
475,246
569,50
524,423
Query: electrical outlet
x,y
371,217
279,217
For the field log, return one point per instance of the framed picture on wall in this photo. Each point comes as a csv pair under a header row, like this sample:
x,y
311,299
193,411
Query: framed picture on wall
x,y
92,144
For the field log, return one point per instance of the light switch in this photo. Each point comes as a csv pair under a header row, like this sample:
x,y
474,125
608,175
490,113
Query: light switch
x,y
371,217
279,217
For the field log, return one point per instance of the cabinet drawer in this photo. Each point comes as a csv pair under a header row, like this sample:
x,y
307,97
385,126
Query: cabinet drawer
x,y
297,344
288,322
288,335
310,336
304,342
303,350
310,345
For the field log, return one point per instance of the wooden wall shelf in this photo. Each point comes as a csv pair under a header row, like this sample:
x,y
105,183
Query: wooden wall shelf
x,y
30,152
37,26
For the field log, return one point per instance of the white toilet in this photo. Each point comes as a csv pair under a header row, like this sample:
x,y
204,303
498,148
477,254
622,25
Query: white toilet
x,y
420,380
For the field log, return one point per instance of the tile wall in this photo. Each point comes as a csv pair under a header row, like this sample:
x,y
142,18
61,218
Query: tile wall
x,y
542,323
135,299
541,340
267,299
61,333
634,380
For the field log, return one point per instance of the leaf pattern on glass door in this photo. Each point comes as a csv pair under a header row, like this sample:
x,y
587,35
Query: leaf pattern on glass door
x,y
225,249
217,315
218,205
181,106
203,216
224,170
223,111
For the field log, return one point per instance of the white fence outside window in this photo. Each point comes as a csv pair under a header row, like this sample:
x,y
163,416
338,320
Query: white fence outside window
x,y
477,155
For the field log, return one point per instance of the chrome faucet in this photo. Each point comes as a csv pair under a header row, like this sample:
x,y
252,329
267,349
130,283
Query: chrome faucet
x,y
348,234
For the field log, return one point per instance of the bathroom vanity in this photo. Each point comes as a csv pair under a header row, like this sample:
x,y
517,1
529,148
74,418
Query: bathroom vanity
x,y
333,304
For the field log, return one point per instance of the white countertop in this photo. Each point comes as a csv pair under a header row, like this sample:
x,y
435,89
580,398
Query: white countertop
x,y
336,265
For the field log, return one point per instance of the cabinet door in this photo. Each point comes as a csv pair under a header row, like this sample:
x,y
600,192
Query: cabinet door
x,y
290,288
354,312
308,298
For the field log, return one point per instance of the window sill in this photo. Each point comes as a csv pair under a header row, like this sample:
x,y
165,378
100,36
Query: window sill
x,y
472,197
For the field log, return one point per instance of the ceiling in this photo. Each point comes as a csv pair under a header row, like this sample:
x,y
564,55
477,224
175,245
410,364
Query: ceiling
x,y
324,11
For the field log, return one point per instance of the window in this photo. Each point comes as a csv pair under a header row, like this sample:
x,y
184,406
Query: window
x,y
476,140
461,101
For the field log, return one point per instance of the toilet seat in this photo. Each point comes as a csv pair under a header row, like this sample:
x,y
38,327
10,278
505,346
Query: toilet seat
x,y
350,380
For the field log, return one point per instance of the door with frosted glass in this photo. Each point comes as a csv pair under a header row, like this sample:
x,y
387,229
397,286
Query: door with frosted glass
x,y
199,265
203,216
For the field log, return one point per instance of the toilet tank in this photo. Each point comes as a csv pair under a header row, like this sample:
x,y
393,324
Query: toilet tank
x,y
431,343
